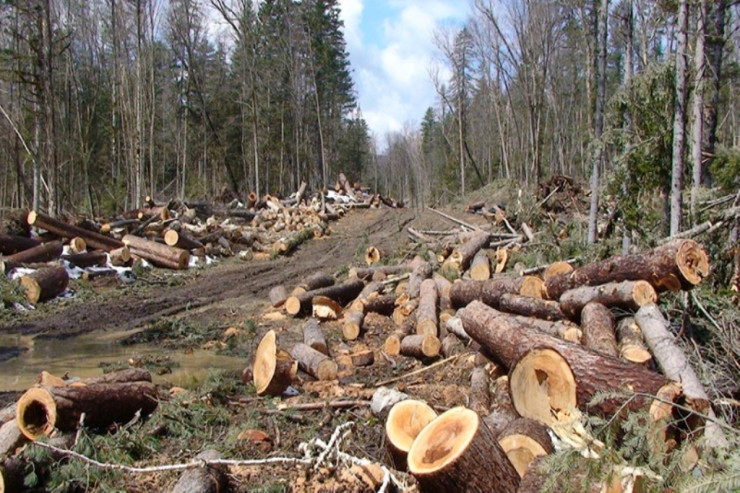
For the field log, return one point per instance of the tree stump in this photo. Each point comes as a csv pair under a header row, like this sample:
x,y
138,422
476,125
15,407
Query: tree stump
x,y
457,452
274,368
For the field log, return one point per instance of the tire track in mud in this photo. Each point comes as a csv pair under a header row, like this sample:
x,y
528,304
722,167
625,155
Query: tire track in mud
x,y
225,283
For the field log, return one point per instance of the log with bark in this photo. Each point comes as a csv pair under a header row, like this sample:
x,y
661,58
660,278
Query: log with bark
x,y
64,230
382,304
181,239
87,259
524,440
573,374
205,479
489,291
314,337
44,284
157,253
278,294
405,420
45,252
530,307
679,264
480,267
291,242
631,342
426,313
368,273
392,344
120,257
10,439
479,399
597,323
461,257
629,295
457,452
316,364
353,325
10,244
274,369
423,270
341,293
316,280
421,346
104,401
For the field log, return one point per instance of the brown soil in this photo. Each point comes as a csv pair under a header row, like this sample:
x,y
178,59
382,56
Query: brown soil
x,y
232,292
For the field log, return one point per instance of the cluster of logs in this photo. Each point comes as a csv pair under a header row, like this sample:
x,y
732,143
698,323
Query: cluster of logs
x,y
55,408
556,341
168,236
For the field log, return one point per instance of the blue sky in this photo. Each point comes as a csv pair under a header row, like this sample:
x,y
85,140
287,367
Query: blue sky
x,y
391,50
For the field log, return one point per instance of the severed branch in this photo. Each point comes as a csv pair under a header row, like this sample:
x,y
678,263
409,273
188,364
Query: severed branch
x,y
455,220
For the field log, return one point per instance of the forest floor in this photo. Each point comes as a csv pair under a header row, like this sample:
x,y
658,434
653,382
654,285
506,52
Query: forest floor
x,y
182,312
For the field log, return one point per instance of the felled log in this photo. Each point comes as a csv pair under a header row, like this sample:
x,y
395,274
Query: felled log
x,y
44,284
10,438
316,280
679,264
451,345
157,253
120,257
325,308
316,364
64,230
631,343
523,440
278,294
461,257
341,293
44,252
426,313
291,242
674,365
405,420
404,309
575,374
11,244
367,273
314,337
489,291
87,259
205,479
370,290
597,323
181,239
502,410
457,452
480,393
629,295
480,267
382,304
422,271
530,307
421,346
104,402
392,344
274,369
362,357
353,325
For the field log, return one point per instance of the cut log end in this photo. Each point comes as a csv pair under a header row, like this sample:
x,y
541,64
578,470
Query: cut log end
x,y
442,441
405,421
274,369
36,413
372,255
692,261
543,386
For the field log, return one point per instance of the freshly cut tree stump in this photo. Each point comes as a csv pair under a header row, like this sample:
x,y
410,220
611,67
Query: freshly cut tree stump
x,y
480,267
314,337
44,284
531,307
316,364
631,342
523,440
462,256
426,313
421,346
44,252
157,253
352,325
341,293
372,255
11,244
629,295
316,280
42,409
64,230
597,323
278,295
679,264
567,368
274,369
405,420
674,364
480,393
206,479
457,452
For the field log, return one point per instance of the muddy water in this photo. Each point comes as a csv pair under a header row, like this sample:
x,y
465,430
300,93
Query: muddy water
x,y
82,357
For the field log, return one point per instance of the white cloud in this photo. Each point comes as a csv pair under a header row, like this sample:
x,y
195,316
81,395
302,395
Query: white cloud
x,y
391,72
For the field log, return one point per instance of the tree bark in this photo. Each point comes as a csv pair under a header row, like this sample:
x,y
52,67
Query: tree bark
x,y
629,295
314,337
426,313
87,259
679,117
278,294
597,323
421,346
421,272
314,281
480,392
316,364
353,325
45,252
531,307
463,255
10,244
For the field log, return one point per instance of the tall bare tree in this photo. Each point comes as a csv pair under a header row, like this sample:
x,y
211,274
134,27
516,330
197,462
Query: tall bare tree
x,y
679,118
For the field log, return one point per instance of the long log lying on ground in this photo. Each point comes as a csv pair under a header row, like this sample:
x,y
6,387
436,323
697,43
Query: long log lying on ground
x,y
316,364
313,336
10,244
44,284
422,271
45,252
368,273
531,307
316,280
457,452
462,256
157,253
64,230
181,239
42,409
674,364
679,264
405,420
509,340
629,295
341,293
426,313
87,259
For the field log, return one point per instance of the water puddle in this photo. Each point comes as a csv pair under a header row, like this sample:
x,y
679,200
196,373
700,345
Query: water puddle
x,y
82,357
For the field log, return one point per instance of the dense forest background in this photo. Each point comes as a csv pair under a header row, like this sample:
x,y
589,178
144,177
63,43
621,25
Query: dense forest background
x,y
106,101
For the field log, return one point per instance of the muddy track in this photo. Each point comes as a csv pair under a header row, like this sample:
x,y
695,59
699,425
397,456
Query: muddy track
x,y
232,283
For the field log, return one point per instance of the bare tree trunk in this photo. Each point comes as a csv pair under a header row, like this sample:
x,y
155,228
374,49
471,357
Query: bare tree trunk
x,y
679,118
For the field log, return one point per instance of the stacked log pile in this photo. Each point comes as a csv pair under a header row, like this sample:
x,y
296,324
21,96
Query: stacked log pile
x,y
175,235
